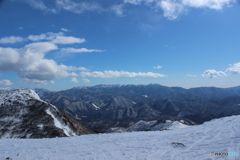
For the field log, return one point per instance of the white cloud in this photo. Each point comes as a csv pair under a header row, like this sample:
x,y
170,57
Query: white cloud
x,y
115,74
74,80
52,82
213,4
67,40
72,68
20,28
235,68
213,74
64,30
30,62
117,9
56,38
80,50
40,47
39,4
173,8
5,82
191,75
138,2
67,5
86,80
77,7
157,67
8,58
37,37
74,7
11,39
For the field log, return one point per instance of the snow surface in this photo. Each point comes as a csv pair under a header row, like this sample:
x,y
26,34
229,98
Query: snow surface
x,y
220,135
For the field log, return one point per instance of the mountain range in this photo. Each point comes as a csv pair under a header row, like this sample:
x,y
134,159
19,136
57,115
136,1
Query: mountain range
x,y
106,108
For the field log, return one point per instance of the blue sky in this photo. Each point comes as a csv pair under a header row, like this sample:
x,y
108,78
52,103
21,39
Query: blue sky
x,y
59,44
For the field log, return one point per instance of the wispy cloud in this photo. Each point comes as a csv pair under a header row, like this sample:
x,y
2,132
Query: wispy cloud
x,y
157,67
45,36
39,4
79,50
74,80
11,39
86,80
5,82
72,68
67,5
75,7
172,9
118,9
20,28
65,30
115,74
35,81
213,74
67,40
37,37
191,75
57,38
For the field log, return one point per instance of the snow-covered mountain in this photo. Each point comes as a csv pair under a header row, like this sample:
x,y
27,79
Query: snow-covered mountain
x,y
24,115
219,136
103,107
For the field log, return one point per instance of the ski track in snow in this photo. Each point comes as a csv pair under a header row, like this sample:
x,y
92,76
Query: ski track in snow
x,y
220,135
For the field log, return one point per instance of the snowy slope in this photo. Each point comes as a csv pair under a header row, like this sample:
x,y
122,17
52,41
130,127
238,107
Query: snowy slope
x,y
220,135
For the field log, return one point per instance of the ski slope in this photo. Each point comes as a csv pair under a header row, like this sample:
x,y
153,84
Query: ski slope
x,y
220,135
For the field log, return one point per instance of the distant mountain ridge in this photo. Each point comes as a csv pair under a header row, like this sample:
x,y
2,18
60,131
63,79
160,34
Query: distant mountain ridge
x,y
155,90
102,107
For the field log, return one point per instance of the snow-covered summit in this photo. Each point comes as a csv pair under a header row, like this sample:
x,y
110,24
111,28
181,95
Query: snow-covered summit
x,y
19,95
